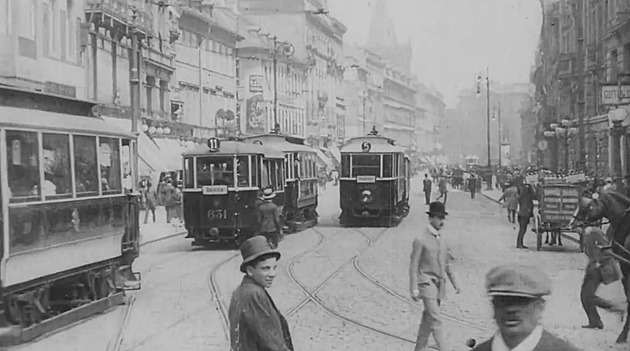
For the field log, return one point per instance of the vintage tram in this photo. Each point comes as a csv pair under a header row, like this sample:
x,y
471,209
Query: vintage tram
x,y
374,182
301,191
222,181
70,229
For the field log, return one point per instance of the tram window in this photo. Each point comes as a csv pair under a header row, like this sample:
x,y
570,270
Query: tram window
x,y
85,170
345,166
57,172
110,165
278,183
125,160
366,165
23,165
255,171
388,166
189,179
266,175
273,181
215,171
296,166
243,171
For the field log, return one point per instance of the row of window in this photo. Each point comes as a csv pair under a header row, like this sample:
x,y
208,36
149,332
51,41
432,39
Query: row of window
x,y
49,166
60,27
290,81
215,56
304,165
353,166
231,172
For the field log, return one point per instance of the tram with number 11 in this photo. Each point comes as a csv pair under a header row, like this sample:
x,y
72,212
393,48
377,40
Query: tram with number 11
x,y
222,181
374,182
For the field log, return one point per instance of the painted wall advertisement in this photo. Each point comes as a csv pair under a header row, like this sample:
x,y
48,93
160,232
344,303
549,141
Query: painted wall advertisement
x,y
255,122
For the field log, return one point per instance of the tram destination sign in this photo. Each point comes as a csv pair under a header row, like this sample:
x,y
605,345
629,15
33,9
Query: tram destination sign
x,y
366,179
215,189
559,203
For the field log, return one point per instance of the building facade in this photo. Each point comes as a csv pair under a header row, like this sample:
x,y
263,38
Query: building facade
x,y
256,89
203,91
317,39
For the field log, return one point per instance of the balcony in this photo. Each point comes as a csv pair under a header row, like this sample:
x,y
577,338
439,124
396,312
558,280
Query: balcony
x,y
117,15
621,18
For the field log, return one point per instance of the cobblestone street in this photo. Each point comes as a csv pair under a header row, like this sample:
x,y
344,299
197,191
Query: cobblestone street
x,y
357,279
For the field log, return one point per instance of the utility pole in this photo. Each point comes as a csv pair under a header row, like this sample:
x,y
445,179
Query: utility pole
x,y
276,126
364,116
134,81
489,181
500,141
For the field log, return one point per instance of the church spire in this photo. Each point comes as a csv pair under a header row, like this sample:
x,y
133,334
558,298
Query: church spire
x,y
382,32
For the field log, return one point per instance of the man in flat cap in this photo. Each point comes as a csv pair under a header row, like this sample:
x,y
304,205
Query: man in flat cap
x,y
427,276
255,322
517,297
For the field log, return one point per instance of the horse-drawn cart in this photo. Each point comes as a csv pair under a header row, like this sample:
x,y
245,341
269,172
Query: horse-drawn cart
x,y
557,206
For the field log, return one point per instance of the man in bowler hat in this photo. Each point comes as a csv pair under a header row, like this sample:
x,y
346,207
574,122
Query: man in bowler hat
x,y
517,297
427,276
255,321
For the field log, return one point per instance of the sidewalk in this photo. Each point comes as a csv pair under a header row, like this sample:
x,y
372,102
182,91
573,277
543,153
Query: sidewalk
x,y
493,194
160,230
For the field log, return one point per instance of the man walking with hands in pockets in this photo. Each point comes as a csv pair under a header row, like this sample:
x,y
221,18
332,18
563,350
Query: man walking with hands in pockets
x,y
427,276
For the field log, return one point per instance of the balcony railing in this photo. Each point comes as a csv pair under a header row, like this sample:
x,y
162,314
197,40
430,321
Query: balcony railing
x,y
113,12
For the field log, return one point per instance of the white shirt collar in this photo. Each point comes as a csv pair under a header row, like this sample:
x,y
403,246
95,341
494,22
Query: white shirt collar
x,y
529,344
434,231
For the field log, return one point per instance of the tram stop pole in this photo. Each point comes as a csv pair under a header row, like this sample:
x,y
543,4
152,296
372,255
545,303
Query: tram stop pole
x,y
134,80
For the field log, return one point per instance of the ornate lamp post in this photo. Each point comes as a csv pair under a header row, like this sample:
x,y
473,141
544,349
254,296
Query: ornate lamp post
x,y
617,117
279,48
562,132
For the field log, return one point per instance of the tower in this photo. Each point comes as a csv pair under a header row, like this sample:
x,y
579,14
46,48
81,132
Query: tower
x,y
382,38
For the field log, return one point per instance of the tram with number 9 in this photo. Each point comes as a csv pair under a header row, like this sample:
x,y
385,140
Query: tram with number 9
x,y
69,216
374,182
301,190
222,184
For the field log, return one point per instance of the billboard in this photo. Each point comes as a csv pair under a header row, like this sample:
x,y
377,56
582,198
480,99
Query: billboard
x,y
255,116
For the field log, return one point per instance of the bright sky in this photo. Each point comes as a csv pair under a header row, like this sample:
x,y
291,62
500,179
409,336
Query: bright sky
x,y
454,40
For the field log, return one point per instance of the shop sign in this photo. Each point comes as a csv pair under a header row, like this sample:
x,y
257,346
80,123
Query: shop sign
x,y
615,94
255,83
60,89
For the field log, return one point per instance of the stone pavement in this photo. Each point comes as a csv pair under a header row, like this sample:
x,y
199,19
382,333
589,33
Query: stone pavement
x,y
160,230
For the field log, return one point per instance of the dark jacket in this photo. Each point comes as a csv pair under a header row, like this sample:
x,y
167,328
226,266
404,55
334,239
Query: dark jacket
x,y
426,184
268,217
547,342
526,196
255,322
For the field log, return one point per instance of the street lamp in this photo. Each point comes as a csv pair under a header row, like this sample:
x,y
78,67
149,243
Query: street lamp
x,y
617,117
489,180
564,132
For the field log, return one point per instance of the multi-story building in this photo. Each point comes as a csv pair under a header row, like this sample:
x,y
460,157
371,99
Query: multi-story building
x,y
259,87
430,114
204,85
317,39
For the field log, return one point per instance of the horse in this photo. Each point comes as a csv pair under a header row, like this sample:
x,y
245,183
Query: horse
x,y
616,208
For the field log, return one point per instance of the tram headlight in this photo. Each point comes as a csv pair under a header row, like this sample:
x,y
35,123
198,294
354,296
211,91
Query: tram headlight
x,y
366,196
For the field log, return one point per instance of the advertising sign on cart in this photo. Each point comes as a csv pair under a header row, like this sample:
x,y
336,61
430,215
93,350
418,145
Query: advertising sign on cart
x,y
559,203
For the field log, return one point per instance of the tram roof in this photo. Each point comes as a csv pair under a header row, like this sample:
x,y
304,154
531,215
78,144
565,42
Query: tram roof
x,y
231,148
16,117
379,144
279,142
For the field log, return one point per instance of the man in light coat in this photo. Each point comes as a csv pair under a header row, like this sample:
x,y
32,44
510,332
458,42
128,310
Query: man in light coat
x,y
510,196
428,271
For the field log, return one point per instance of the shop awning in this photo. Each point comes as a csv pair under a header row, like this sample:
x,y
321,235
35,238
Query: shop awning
x,y
170,152
324,159
334,151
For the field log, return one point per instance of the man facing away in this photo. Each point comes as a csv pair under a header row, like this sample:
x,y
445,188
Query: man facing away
x,y
427,277
472,185
426,187
255,322
526,197
517,297
268,216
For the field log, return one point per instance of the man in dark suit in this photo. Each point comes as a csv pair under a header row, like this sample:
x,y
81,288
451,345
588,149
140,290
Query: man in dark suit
x,y
517,296
526,196
426,184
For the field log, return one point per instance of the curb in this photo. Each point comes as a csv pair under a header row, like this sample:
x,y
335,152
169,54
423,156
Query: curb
x,y
489,198
162,238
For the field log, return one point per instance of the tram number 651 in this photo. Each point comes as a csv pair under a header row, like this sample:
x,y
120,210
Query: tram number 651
x,y
217,214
